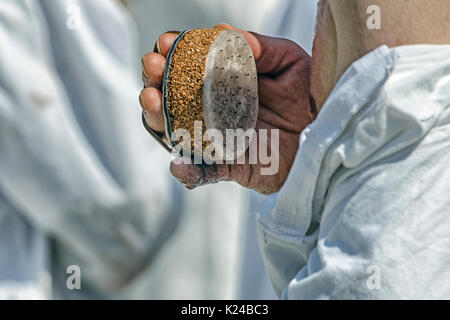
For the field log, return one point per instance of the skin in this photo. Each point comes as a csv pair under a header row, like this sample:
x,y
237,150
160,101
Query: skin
x,y
342,36
289,79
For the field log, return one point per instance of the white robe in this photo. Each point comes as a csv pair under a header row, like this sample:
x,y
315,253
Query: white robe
x,y
365,211
214,253
76,165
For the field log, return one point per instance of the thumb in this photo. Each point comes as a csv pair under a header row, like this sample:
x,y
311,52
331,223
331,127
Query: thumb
x,y
272,55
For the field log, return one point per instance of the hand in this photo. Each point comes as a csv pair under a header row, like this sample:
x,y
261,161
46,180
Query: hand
x,y
283,86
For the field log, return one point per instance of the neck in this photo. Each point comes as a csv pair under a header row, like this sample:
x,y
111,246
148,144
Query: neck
x,y
342,34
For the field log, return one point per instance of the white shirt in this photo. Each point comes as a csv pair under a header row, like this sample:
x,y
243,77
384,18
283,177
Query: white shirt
x,y
365,211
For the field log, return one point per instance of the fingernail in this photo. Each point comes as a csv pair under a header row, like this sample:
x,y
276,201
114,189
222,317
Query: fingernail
x,y
145,80
223,24
158,47
144,70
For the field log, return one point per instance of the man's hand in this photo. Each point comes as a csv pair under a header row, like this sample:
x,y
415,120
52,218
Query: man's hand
x,y
284,104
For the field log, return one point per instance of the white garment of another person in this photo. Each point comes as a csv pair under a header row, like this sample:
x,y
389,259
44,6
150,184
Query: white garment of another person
x,y
81,182
365,211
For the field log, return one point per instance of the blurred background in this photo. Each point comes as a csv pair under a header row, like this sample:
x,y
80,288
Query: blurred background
x,y
87,206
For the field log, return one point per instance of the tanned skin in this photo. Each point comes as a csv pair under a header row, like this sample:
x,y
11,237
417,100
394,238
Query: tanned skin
x,y
289,80
342,35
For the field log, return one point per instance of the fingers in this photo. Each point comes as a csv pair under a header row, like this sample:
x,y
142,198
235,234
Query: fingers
x,y
151,103
165,42
153,66
192,175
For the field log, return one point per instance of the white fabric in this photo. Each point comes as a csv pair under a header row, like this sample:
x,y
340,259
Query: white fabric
x,y
202,259
213,251
367,197
24,257
74,160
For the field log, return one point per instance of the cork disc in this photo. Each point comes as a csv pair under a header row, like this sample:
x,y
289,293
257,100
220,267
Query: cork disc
x,y
211,77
